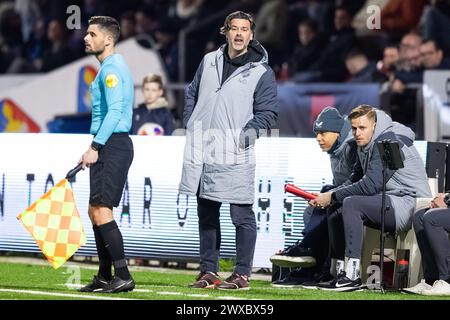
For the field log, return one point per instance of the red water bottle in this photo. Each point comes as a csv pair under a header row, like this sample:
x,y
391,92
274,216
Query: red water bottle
x,y
402,273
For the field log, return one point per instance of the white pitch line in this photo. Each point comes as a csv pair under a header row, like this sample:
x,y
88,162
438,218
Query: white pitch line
x,y
142,290
59,294
78,286
170,293
199,295
72,285
230,298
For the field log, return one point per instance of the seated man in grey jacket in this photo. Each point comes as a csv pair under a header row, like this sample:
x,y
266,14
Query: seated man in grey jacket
x,y
334,136
361,200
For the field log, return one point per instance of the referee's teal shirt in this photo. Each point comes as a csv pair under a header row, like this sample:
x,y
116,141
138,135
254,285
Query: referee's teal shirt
x,y
112,96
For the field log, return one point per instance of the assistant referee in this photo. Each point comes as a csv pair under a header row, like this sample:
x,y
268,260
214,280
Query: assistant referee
x,y
110,154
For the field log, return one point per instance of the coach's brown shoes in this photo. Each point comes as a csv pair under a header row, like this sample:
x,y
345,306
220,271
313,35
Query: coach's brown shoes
x,y
235,282
206,280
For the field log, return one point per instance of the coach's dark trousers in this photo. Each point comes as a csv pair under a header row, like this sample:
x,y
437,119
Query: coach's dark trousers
x,y
243,219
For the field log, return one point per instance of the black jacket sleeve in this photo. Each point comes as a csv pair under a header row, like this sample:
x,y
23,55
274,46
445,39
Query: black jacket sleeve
x,y
265,105
191,95
372,181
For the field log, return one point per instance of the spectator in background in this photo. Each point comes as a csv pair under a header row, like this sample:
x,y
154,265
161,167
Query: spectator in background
x,y
361,69
166,44
271,26
29,12
436,20
58,53
309,48
318,10
93,7
396,98
400,16
146,21
12,57
159,7
433,56
127,25
390,58
183,13
153,117
353,6
408,68
37,42
331,64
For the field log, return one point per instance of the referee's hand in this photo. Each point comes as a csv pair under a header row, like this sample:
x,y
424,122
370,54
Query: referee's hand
x,y
89,158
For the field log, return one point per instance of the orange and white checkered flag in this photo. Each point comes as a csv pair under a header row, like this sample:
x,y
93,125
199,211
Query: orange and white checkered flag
x,y
54,223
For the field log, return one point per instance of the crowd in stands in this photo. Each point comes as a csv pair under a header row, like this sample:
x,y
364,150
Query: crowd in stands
x,y
307,40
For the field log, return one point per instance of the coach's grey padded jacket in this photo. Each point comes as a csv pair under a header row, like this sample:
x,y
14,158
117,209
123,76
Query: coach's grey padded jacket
x,y
214,164
403,185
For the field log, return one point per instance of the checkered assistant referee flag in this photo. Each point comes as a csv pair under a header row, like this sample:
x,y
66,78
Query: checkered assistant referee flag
x,y
54,223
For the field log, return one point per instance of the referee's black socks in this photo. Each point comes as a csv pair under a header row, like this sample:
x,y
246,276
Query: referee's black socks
x,y
114,244
103,255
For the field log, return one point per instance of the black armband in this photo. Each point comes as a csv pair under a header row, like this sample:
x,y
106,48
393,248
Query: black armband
x,y
447,199
333,197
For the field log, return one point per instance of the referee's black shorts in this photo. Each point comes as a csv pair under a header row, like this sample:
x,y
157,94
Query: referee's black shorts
x,y
109,174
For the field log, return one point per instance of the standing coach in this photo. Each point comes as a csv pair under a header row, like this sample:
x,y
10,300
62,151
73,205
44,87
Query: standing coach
x,y
232,99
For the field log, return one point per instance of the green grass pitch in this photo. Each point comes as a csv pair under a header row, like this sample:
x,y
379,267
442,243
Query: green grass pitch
x,y
25,281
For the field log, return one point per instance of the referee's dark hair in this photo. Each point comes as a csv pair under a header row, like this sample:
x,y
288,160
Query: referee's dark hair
x,y
108,24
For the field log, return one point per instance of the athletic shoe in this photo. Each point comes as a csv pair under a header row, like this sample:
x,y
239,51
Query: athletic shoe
x,y
342,284
418,288
117,285
206,280
290,281
294,256
97,284
439,288
235,282
324,277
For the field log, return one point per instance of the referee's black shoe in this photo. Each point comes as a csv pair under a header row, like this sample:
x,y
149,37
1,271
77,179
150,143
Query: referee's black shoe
x,y
117,285
98,284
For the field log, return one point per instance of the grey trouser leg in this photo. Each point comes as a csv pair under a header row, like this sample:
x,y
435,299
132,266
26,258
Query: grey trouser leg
x,y
360,211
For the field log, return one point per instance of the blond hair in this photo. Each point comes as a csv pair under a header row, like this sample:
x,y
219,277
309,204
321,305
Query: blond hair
x,y
363,110
153,78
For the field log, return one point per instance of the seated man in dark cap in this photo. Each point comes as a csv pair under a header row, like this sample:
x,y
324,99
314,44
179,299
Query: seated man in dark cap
x,y
334,136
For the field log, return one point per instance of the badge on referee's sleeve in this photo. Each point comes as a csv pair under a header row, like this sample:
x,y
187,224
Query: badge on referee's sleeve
x,y
111,80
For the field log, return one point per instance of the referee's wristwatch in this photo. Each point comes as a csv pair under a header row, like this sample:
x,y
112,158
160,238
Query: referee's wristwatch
x,y
96,146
